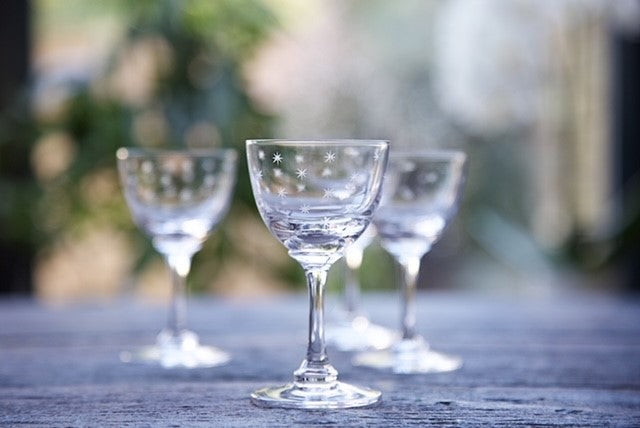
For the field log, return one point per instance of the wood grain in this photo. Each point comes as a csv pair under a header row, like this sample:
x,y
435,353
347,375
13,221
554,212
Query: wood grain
x,y
569,361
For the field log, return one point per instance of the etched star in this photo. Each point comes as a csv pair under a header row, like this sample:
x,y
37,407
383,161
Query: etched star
x,y
277,172
277,158
305,209
376,155
282,192
260,155
301,173
259,175
299,158
329,156
354,177
327,193
300,187
326,172
326,222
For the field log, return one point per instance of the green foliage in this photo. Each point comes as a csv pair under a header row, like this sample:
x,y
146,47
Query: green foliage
x,y
378,270
18,188
196,96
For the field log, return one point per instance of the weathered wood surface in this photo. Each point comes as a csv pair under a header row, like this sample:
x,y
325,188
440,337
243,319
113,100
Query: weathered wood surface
x,y
572,361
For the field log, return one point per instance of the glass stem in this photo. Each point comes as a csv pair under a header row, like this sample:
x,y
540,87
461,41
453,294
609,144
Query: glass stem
x,y
316,349
352,284
409,268
179,265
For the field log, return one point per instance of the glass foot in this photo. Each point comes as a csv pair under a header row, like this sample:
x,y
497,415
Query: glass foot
x,y
338,395
358,334
409,356
177,351
315,386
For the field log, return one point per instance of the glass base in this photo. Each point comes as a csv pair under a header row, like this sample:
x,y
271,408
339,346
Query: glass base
x,y
409,356
177,351
338,395
315,386
357,333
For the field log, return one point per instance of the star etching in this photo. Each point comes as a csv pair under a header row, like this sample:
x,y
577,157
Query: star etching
x,y
301,173
259,175
376,155
329,157
327,193
282,192
299,158
326,222
305,209
277,158
326,172
277,172
261,155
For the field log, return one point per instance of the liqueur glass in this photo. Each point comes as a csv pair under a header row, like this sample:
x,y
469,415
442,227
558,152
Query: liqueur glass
x,y
351,329
177,197
421,195
316,197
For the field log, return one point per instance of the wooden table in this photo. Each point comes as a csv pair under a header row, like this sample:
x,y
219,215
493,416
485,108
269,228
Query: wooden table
x,y
570,361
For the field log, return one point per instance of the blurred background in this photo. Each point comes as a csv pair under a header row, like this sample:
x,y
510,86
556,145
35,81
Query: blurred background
x,y
543,96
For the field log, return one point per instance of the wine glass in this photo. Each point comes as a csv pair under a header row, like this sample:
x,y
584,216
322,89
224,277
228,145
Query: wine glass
x,y
351,330
177,197
421,194
316,197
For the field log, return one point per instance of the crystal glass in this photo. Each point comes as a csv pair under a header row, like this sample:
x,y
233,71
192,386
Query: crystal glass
x,y
177,197
351,329
421,194
316,197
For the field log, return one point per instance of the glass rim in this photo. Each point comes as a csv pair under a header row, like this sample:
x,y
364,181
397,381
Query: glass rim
x,y
139,152
319,141
437,154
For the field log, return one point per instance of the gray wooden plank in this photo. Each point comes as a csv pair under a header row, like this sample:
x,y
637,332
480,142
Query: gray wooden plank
x,y
573,361
226,404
